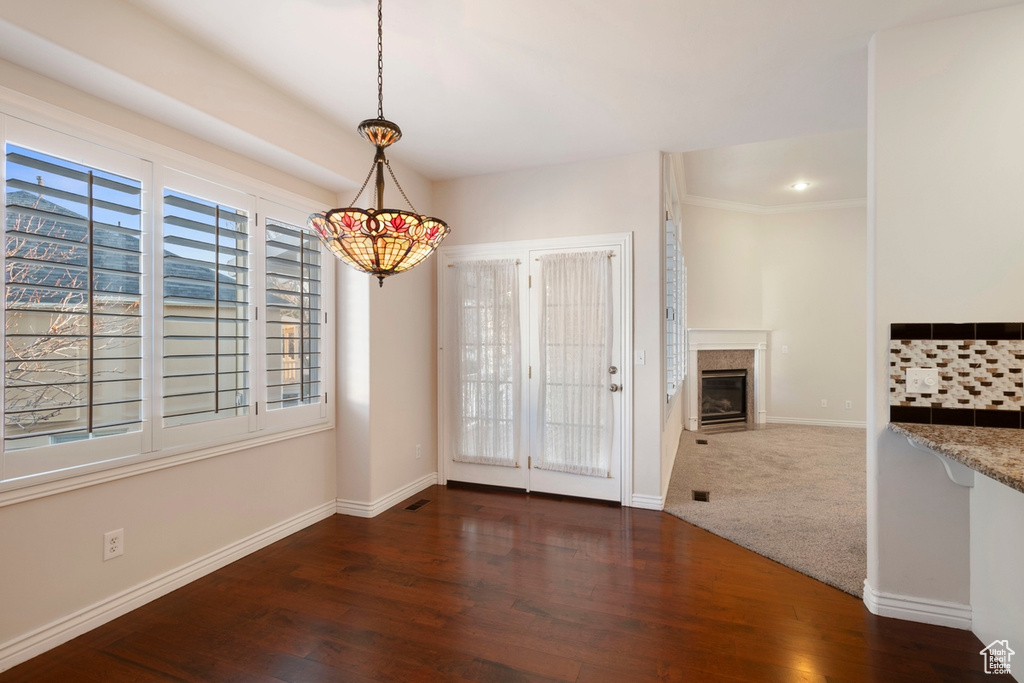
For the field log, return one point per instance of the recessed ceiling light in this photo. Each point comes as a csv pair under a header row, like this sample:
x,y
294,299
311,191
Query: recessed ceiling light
x,y
800,186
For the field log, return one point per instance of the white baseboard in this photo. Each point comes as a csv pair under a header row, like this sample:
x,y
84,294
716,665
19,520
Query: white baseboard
x,y
909,608
647,502
36,642
357,508
815,423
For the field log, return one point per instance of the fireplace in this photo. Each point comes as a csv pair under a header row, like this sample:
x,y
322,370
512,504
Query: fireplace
x,y
716,349
723,396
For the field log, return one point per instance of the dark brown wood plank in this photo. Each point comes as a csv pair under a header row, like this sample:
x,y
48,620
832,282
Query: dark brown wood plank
x,y
498,586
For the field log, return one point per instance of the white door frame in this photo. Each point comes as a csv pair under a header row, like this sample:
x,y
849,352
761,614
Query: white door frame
x,y
520,249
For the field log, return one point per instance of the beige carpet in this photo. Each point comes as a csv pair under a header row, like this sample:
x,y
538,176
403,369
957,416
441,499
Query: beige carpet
x,y
794,494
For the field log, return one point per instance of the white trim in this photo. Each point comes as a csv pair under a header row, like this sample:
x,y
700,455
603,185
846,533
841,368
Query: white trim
x,y
150,462
815,423
923,610
457,252
357,508
24,647
626,343
646,502
728,205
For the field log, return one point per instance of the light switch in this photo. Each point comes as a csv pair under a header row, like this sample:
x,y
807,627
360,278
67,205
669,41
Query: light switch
x,y
922,380
641,357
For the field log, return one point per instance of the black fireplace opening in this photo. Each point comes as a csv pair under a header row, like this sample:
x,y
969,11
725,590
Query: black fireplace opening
x,y
723,396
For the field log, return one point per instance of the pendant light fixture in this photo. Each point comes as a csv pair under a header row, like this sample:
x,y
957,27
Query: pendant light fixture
x,y
379,241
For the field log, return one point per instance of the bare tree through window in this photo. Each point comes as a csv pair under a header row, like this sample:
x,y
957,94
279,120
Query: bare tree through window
x,y
72,361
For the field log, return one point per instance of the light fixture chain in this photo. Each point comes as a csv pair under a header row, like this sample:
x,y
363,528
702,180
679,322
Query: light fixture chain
x,y
363,186
399,186
380,59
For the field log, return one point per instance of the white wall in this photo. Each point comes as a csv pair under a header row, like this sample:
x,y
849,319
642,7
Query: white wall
x,y
802,276
946,134
997,555
814,300
387,384
670,433
721,250
605,196
403,379
52,557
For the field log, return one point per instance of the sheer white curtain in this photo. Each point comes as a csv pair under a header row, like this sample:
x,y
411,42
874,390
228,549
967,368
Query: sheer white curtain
x,y
575,354
485,367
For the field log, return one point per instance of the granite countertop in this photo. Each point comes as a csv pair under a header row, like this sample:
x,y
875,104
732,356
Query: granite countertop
x,y
996,453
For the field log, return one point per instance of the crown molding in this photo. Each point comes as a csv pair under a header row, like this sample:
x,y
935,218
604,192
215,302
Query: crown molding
x,y
727,205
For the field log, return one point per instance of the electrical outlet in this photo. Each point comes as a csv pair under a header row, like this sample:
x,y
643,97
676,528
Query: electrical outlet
x,y
824,403
849,405
922,380
113,544
785,349
419,451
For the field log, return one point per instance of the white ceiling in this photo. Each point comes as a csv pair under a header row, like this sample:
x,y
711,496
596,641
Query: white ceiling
x,y
763,173
482,86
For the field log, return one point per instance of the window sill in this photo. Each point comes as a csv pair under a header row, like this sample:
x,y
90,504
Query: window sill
x,y
54,483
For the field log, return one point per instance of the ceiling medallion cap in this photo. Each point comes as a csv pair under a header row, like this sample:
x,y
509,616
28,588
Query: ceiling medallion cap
x,y
380,132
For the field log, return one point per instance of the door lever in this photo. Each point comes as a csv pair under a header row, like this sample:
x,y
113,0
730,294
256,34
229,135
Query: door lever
x,y
614,387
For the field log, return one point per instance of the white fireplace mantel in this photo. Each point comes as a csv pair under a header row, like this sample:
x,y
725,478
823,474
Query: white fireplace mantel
x,y
725,340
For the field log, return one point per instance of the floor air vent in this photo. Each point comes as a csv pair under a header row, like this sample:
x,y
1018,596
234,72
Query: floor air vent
x,y
702,496
702,442
417,505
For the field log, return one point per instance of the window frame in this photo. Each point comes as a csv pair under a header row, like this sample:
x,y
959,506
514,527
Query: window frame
x,y
38,471
220,429
30,461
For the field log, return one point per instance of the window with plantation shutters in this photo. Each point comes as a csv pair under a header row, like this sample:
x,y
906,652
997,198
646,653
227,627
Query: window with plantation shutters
x,y
72,301
151,311
675,313
293,316
206,327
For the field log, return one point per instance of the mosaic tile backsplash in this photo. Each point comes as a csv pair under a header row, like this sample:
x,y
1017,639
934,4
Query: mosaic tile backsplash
x,y
980,368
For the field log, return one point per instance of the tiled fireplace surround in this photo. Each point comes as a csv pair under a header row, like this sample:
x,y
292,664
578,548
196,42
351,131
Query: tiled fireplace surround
x,y
981,373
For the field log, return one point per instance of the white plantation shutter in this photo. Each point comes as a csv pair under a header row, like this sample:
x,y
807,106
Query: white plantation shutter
x,y
293,316
575,354
206,310
675,311
485,371
73,299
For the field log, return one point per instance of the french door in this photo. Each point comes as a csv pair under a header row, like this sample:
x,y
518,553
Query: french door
x,y
532,383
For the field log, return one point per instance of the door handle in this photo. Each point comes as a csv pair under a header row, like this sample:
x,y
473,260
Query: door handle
x,y
614,387
612,370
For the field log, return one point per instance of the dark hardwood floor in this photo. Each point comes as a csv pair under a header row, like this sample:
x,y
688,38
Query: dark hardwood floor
x,y
493,586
